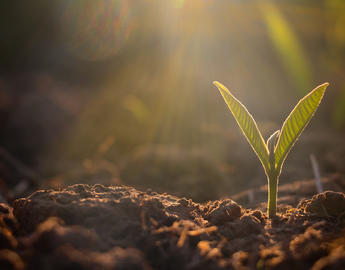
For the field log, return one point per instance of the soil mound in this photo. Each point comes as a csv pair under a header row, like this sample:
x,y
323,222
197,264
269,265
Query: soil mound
x,y
119,227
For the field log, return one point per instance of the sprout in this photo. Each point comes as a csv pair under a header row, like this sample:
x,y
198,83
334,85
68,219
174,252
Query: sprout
x,y
273,153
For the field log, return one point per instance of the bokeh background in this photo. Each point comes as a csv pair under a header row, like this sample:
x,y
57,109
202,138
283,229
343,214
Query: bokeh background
x,y
120,91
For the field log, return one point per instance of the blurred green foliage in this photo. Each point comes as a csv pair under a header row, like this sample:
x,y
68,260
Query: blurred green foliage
x,y
288,46
339,110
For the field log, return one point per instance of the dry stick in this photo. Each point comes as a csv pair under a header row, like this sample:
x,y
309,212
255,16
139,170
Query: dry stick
x,y
251,196
316,172
19,166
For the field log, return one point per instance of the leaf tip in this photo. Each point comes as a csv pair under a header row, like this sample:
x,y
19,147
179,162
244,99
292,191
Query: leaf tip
x,y
216,83
325,84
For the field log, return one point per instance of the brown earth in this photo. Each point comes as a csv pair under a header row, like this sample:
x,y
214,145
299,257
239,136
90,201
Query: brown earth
x,y
119,227
289,194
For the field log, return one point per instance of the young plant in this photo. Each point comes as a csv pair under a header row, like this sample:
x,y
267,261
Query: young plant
x,y
273,153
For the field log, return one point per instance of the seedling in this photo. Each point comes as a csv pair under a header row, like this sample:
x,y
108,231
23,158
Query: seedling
x,y
272,154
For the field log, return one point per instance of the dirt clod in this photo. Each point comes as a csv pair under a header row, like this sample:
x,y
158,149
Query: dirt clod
x,y
119,227
307,244
9,260
224,211
326,204
335,260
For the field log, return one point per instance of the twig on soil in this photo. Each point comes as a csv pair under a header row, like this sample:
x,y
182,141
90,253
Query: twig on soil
x,y
316,171
183,237
202,231
186,233
251,196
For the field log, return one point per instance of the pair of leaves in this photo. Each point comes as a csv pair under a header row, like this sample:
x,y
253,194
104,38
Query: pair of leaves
x,y
289,133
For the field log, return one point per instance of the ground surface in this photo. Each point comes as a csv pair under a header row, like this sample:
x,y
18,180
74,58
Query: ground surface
x,y
119,227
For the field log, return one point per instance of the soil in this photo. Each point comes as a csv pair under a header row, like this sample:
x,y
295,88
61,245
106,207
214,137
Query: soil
x,y
119,227
290,194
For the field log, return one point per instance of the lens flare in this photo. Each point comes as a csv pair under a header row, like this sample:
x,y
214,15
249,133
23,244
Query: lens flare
x,y
95,30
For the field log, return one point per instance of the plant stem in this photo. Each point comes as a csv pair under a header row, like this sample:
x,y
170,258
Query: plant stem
x,y
272,194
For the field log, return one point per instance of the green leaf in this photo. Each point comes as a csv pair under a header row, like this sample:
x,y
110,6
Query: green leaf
x,y
287,44
247,124
296,122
